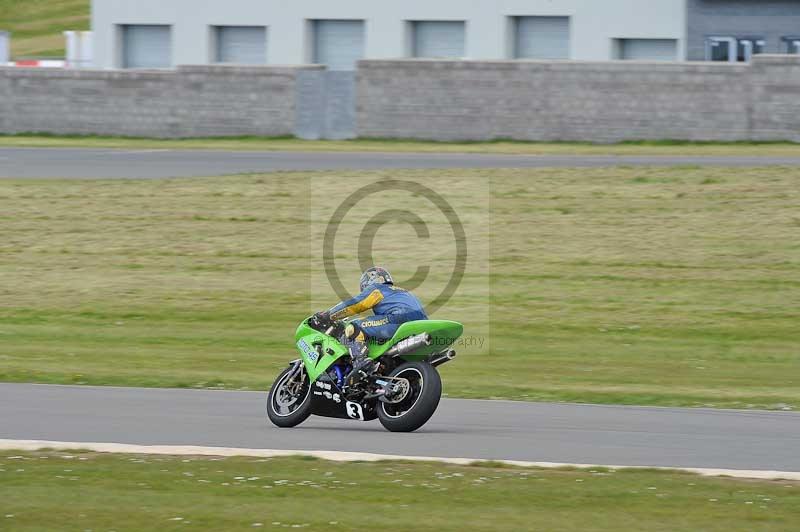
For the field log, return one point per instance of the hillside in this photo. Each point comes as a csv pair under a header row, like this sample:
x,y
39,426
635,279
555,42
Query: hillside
x,y
37,25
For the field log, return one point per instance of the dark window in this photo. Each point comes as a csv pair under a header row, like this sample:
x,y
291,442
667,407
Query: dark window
x,y
720,49
733,49
747,48
792,45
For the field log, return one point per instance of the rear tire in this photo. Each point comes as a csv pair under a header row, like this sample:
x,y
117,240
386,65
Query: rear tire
x,y
415,410
286,409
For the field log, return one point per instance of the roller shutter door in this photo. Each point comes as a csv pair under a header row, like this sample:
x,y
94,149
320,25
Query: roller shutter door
x,y
147,46
245,45
542,38
649,49
339,44
439,39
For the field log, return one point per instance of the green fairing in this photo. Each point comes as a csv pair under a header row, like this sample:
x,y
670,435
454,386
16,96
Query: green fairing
x,y
443,334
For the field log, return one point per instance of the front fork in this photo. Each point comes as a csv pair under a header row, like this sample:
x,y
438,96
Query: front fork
x,y
297,369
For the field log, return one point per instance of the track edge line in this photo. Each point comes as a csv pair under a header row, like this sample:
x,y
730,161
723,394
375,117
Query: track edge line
x,y
348,456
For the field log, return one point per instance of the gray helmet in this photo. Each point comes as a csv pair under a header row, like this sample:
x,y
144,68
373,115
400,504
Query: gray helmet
x,y
375,275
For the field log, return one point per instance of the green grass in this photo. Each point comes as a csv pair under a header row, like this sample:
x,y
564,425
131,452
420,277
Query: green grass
x,y
37,26
500,146
675,287
83,491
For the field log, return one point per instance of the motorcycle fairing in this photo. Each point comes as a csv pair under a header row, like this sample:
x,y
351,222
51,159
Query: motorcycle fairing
x,y
327,400
319,351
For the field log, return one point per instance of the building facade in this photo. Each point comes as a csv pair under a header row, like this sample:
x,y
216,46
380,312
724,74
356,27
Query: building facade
x,y
734,30
165,33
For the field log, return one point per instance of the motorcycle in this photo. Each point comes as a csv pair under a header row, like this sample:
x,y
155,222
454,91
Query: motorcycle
x,y
402,392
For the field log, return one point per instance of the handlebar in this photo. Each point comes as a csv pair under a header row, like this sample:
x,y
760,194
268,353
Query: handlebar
x,y
328,329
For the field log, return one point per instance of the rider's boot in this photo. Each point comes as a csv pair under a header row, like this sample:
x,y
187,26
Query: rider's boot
x,y
363,366
356,341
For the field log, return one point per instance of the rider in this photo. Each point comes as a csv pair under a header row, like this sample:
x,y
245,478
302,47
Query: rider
x,y
392,306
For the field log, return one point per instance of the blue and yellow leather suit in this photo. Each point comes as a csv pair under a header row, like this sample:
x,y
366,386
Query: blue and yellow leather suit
x,y
392,306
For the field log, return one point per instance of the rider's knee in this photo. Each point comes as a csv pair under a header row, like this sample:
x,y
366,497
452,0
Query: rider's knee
x,y
355,333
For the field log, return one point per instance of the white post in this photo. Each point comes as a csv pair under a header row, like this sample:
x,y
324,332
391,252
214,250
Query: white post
x,y
87,49
73,49
5,47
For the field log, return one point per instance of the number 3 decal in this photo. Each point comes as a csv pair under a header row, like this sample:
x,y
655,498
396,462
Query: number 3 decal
x,y
354,411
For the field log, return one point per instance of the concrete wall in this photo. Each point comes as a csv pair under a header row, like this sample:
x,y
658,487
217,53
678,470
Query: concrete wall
x,y
601,102
775,98
768,19
425,99
594,24
190,101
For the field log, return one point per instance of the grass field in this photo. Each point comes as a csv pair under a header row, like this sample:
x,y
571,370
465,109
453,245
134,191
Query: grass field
x,y
36,26
88,491
621,285
665,147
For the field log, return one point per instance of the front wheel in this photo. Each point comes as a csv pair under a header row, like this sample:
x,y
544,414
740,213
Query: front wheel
x,y
419,401
289,400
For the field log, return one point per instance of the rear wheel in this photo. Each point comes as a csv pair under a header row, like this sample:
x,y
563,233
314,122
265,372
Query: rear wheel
x,y
289,400
419,400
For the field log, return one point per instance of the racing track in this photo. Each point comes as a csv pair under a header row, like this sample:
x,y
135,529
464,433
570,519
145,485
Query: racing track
x,y
616,435
461,428
153,164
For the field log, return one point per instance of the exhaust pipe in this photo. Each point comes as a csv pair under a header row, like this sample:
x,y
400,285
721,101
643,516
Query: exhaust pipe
x,y
412,343
447,356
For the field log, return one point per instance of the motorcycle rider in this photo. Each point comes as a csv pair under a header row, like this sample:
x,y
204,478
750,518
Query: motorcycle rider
x,y
391,305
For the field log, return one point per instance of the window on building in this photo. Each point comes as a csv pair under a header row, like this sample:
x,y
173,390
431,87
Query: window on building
x,y
146,46
244,45
438,38
339,44
748,48
541,37
646,49
733,49
792,45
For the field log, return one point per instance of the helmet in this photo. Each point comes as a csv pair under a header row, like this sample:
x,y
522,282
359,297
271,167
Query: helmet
x,y
375,275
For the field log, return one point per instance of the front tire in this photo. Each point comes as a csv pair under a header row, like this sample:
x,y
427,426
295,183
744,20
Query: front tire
x,y
421,402
289,404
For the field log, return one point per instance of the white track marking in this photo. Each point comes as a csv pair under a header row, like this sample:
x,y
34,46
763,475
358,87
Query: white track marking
x,y
136,152
343,456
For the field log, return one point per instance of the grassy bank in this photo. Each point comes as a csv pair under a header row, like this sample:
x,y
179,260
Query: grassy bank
x,y
665,147
37,26
82,490
620,285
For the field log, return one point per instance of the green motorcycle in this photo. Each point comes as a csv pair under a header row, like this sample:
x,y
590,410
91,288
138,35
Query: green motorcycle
x,y
402,392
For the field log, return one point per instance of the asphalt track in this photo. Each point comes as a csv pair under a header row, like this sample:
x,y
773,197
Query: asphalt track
x,y
154,164
587,434
635,436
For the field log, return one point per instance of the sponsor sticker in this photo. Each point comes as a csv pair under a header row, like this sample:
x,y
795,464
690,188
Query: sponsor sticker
x,y
310,353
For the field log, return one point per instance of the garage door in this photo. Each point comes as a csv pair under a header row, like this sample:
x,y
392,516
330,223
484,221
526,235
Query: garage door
x,y
649,49
439,39
147,46
542,38
338,43
244,45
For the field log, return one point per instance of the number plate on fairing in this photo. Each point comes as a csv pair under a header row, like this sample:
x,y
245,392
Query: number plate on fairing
x,y
327,400
354,411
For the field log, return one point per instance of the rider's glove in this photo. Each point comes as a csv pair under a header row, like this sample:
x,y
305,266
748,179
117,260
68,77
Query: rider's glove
x,y
323,318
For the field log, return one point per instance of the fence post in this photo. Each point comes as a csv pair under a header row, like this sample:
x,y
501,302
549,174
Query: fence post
x,y
5,47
